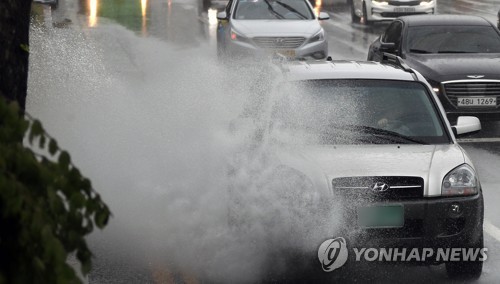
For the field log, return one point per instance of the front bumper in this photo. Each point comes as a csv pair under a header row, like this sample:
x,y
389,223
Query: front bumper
x,y
428,223
308,50
378,12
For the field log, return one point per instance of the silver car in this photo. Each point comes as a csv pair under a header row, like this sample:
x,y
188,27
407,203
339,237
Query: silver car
x,y
365,148
368,11
250,28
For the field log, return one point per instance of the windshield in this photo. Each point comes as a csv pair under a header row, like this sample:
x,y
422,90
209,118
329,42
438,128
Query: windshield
x,y
272,10
356,112
453,39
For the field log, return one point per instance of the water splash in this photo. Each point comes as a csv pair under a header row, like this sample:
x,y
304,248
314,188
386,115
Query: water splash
x,y
148,123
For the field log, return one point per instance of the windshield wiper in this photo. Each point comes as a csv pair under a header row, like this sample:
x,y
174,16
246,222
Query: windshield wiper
x,y
455,51
420,51
380,133
271,9
290,8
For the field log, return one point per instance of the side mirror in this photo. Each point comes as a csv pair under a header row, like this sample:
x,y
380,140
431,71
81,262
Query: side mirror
x,y
387,46
221,16
467,124
323,16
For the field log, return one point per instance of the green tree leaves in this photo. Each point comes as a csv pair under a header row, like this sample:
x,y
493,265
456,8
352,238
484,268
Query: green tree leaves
x,y
46,206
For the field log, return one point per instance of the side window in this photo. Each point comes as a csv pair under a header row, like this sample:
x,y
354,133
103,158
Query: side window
x,y
393,33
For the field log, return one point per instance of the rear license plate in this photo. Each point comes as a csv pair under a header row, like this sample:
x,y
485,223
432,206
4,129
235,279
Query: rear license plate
x,y
404,10
474,101
384,216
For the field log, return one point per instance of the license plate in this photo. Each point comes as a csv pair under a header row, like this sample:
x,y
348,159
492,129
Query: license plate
x,y
475,101
404,10
386,216
288,53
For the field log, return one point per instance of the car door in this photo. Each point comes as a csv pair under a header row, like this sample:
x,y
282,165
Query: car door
x,y
389,41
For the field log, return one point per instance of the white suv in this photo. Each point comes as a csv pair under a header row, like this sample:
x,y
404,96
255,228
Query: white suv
x,y
364,139
368,11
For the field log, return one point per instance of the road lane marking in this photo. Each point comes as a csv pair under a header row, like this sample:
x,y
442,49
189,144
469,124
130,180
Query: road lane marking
x,y
477,140
492,230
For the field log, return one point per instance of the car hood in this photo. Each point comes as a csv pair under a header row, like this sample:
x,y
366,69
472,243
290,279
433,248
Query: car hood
x,y
430,162
282,28
445,67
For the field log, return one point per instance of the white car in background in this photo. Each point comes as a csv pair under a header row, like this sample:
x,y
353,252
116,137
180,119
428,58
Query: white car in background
x,y
250,28
368,11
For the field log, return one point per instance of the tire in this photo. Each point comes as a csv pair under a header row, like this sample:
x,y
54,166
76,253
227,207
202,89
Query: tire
x,y
355,18
466,270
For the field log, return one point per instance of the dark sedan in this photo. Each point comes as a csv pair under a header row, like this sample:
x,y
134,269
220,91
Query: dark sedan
x,y
458,55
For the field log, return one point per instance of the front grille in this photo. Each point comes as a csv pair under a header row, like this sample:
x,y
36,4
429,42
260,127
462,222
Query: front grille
x,y
408,3
453,90
279,42
358,188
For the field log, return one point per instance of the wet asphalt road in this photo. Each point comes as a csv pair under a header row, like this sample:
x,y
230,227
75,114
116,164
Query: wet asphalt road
x,y
190,25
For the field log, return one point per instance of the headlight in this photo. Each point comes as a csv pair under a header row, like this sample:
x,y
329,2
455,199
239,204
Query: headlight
x,y
436,86
461,181
237,37
319,36
376,2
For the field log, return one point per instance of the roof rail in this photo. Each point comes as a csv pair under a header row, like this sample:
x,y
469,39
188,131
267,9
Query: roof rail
x,y
397,61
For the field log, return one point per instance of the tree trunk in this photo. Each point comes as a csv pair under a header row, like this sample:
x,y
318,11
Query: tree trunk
x,y
14,49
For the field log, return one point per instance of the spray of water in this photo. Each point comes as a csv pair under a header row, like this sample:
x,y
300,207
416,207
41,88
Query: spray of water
x,y
150,125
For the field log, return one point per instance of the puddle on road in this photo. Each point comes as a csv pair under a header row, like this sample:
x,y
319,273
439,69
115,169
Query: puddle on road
x,y
178,22
148,124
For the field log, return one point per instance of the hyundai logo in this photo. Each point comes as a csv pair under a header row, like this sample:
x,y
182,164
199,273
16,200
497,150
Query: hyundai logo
x,y
379,187
279,41
475,76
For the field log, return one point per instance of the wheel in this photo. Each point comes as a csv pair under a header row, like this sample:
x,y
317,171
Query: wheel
x,y
355,18
468,270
